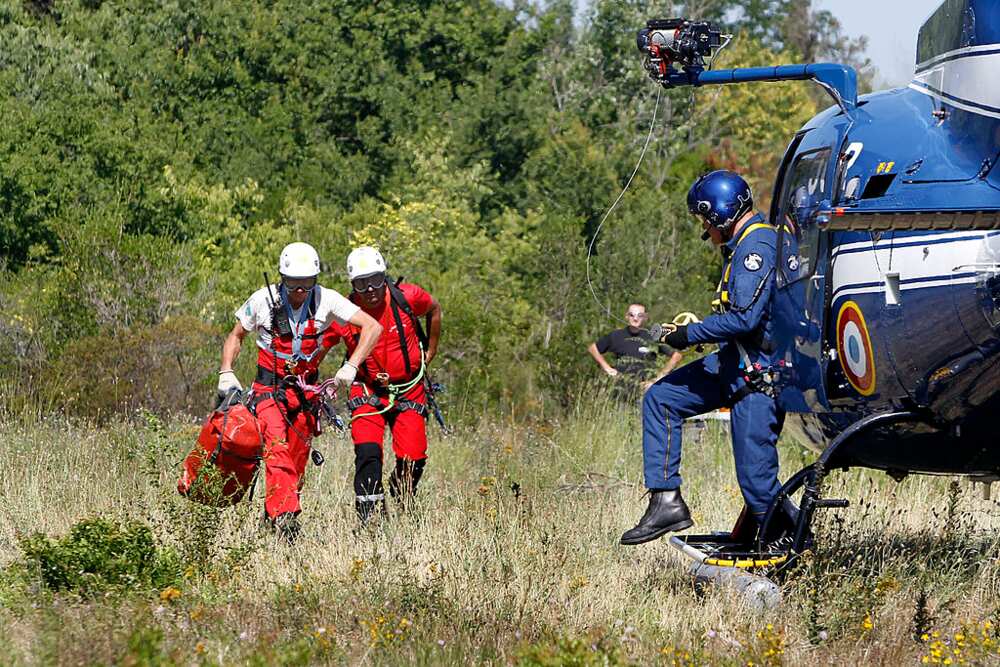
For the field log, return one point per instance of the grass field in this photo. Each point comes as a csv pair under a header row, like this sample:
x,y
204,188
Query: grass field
x,y
511,556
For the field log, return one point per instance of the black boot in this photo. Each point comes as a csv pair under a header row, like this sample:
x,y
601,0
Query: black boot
x,y
286,526
667,512
368,509
404,479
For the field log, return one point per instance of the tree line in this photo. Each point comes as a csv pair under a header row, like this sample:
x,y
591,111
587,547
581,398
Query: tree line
x,y
155,157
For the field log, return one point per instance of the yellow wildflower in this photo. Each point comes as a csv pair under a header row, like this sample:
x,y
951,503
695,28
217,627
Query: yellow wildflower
x,y
169,594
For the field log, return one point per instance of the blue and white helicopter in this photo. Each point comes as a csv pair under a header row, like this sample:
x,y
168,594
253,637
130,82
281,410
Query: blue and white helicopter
x,y
888,299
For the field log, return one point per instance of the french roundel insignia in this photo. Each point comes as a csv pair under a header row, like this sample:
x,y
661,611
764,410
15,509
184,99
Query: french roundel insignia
x,y
854,348
793,263
753,262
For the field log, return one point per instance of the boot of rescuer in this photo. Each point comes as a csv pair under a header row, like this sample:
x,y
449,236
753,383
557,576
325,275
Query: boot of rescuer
x,y
667,512
404,479
285,525
369,509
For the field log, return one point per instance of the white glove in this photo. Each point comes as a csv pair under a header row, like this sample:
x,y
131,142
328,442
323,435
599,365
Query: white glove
x,y
345,376
611,371
228,382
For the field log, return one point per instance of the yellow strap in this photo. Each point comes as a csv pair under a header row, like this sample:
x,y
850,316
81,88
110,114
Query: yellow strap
x,y
747,563
755,226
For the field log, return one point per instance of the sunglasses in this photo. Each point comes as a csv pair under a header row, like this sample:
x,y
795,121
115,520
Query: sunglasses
x,y
366,283
299,285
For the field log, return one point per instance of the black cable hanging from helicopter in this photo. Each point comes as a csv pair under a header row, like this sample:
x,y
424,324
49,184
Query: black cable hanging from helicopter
x,y
665,42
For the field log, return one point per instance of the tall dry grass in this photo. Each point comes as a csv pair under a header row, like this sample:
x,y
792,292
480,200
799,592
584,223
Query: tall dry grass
x,y
511,555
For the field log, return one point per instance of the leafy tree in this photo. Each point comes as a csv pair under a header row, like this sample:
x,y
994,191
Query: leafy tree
x,y
158,155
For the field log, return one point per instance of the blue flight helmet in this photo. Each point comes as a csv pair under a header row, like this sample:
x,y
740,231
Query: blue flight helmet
x,y
800,206
721,198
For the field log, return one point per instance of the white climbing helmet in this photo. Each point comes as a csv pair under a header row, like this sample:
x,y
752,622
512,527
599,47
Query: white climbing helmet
x,y
364,261
299,260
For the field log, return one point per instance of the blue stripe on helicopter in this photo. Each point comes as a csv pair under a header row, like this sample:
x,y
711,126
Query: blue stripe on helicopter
x,y
954,98
909,281
888,244
934,62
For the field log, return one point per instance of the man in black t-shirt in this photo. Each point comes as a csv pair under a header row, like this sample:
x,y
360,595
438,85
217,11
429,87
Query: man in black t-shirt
x,y
634,349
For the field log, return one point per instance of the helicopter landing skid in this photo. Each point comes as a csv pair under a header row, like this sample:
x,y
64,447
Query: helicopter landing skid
x,y
720,560
721,550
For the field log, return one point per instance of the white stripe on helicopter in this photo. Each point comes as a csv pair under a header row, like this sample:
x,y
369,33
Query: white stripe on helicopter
x,y
927,261
964,78
926,238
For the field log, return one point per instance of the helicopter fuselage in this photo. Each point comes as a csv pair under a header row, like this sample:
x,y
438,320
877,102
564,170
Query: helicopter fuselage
x,y
889,291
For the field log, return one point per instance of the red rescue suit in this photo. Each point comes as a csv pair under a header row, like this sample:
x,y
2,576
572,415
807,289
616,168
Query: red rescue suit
x,y
387,365
286,418
289,345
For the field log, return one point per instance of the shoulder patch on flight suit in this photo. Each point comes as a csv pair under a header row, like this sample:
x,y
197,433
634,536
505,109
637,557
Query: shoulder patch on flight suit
x,y
753,262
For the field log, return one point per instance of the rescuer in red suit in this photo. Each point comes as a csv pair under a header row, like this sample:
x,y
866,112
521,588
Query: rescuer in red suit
x,y
290,320
389,390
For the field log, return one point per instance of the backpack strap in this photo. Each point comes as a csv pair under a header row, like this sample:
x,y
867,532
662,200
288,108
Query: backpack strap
x,y
399,302
399,298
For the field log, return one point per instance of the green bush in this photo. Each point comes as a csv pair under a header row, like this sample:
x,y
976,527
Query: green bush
x,y
572,652
163,368
99,555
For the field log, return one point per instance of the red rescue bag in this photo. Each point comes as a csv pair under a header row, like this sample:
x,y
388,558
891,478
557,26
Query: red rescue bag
x,y
231,445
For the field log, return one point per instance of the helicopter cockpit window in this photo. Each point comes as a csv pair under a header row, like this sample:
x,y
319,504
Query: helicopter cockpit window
x,y
805,187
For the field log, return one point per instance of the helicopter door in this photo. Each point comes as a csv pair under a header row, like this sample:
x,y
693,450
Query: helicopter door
x,y
804,187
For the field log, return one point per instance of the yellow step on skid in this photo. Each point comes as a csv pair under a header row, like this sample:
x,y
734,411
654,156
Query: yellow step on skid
x,y
746,562
718,557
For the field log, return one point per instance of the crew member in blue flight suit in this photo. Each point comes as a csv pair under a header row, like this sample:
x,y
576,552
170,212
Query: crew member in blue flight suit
x,y
737,375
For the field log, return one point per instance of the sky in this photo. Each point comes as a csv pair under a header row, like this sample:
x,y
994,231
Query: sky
x,y
891,27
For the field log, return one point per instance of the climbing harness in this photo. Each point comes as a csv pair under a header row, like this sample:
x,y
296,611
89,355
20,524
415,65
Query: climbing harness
x,y
393,391
399,302
284,322
756,376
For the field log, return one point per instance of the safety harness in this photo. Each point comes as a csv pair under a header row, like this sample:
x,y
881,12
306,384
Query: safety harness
x,y
397,303
757,377
283,323
721,303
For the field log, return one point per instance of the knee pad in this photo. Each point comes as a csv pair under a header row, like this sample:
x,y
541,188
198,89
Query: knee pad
x,y
367,470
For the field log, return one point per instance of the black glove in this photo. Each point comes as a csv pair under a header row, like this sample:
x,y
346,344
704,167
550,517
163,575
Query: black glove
x,y
678,338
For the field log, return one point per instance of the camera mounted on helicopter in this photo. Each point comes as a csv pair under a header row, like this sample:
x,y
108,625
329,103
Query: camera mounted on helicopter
x,y
666,43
